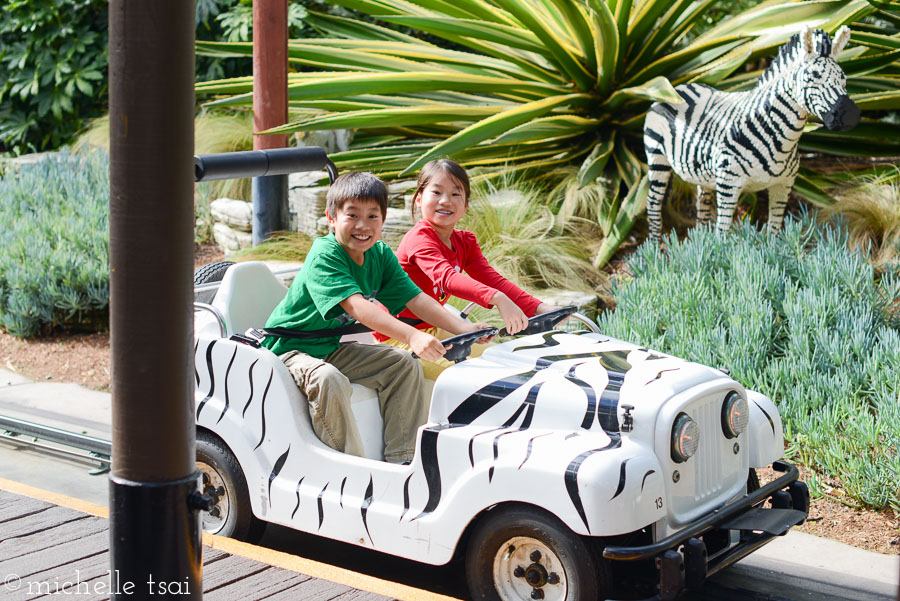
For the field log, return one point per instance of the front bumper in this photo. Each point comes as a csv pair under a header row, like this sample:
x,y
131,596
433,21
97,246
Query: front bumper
x,y
681,559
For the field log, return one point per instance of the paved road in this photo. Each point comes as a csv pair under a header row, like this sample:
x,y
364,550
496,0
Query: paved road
x,y
769,575
797,567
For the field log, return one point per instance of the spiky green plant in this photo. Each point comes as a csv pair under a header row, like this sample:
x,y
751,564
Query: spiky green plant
x,y
535,84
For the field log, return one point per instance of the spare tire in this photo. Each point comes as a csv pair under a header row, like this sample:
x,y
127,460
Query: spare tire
x,y
205,274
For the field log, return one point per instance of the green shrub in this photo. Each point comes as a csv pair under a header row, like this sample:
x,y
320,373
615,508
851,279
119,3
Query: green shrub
x,y
54,244
232,21
798,317
53,53
54,57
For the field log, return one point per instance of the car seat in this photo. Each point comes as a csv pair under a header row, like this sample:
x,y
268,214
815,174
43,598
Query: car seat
x,y
245,299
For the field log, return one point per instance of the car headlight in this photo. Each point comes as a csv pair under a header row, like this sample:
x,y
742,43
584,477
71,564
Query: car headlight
x,y
685,438
735,415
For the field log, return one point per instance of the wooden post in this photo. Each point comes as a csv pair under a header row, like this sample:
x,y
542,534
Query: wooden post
x,y
270,109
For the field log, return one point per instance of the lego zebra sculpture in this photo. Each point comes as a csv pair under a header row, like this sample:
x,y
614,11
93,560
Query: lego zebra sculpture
x,y
726,142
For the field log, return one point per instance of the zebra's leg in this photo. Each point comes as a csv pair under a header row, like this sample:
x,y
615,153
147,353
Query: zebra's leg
x,y
704,204
659,176
727,195
778,196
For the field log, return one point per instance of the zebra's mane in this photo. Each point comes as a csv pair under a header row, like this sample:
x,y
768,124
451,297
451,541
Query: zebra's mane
x,y
789,54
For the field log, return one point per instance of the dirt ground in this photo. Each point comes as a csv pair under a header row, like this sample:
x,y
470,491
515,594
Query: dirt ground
x,y
871,530
84,359
69,357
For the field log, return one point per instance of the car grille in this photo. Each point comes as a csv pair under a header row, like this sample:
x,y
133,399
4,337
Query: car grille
x,y
710,477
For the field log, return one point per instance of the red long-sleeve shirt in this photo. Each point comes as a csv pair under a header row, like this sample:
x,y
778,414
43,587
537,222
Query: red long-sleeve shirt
x,y
461,271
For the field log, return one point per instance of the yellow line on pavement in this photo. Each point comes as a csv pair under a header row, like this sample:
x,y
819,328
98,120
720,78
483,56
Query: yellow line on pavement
x,y
55,498
271,557
325,571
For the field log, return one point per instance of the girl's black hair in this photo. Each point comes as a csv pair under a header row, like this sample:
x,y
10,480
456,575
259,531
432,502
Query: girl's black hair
x,y
431,169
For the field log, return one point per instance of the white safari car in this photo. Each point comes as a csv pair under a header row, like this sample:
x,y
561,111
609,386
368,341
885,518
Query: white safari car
x,y
560,465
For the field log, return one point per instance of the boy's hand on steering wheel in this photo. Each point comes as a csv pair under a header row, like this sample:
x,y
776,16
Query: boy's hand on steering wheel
x,y
514,318
426,346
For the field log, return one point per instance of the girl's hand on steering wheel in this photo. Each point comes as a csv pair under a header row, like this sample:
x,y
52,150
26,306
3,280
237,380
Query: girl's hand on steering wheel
x,y
545,308
514,318
481,326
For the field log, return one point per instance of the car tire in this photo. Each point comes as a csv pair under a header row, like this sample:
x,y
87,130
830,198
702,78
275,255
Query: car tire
x,y
206,274
223,479
752,481
514,552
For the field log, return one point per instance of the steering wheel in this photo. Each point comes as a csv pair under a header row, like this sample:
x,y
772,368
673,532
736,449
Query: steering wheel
x,y
543,322
459,346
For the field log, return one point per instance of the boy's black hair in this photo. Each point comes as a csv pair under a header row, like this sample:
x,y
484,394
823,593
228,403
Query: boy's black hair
x,y
356,185
436,166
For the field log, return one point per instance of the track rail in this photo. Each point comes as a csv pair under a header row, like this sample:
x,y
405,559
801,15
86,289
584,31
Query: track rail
x,y
61,441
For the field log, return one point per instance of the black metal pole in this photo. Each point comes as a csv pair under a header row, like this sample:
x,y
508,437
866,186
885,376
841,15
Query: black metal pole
x,y
155,550
269,195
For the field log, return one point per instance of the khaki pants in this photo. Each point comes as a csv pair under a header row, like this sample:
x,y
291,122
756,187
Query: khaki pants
x,y
432,369
392,373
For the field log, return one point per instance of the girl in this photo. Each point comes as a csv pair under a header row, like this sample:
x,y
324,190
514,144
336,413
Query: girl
x,y
444,261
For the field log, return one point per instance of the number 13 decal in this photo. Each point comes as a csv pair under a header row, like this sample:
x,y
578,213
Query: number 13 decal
x,y
659,502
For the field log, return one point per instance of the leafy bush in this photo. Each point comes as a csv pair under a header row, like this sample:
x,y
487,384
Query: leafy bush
x,y
54,55
232,20
799,317
231,131
54,244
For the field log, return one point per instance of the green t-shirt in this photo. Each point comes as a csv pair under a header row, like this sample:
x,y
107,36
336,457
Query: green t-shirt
x,y
328,277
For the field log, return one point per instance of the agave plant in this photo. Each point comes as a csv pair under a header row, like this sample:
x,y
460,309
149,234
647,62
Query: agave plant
x,y
537,84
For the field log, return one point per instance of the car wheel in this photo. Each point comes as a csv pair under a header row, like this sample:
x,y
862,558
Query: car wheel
x,y
205,274
752,481
223,480
521,554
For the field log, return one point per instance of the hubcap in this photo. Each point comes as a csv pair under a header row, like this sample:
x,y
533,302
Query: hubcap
x,y
525,569
214,520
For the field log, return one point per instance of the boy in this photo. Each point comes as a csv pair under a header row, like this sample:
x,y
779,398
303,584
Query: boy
x,y
342,272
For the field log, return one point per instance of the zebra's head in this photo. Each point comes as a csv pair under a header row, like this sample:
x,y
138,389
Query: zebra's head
x,y
821,84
